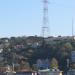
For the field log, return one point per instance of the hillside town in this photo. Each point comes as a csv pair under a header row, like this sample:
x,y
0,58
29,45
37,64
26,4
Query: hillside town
x,y
34,54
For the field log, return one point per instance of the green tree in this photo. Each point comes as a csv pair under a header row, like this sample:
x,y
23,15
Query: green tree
x,y
68,47
24,65
54,63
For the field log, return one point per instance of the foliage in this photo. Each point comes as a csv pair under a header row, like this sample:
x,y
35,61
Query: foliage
x,y
54,64
32,48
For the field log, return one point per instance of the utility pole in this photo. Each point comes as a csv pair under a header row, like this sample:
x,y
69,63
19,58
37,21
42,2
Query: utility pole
x,y
72,27
73,38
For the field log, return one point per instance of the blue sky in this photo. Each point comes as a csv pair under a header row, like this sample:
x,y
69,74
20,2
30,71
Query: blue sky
x,y
24,17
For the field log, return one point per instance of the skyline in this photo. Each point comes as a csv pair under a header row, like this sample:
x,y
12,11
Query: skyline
x,y
21,17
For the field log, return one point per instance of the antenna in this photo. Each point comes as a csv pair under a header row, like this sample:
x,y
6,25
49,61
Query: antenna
x,y
73,37
72,27
45,28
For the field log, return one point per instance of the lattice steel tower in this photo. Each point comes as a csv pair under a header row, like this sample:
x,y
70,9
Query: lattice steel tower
x,y
45,27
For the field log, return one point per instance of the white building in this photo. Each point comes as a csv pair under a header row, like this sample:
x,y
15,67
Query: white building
x,y
49,72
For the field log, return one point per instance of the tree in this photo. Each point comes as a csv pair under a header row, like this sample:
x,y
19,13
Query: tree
x,y
68,47
34,67
54,63
24,65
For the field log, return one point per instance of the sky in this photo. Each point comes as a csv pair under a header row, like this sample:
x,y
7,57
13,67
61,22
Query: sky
x,y
24,17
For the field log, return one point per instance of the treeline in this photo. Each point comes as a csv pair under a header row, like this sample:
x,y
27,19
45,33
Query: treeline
x,y
21,50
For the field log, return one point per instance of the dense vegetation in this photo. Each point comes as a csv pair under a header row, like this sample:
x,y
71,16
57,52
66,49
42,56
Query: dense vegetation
x,y
26,50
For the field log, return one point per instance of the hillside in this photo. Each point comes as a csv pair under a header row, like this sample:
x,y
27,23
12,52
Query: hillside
x,y
21,50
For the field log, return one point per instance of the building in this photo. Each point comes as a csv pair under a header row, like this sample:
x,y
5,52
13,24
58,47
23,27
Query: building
x,y
71,70
49,72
